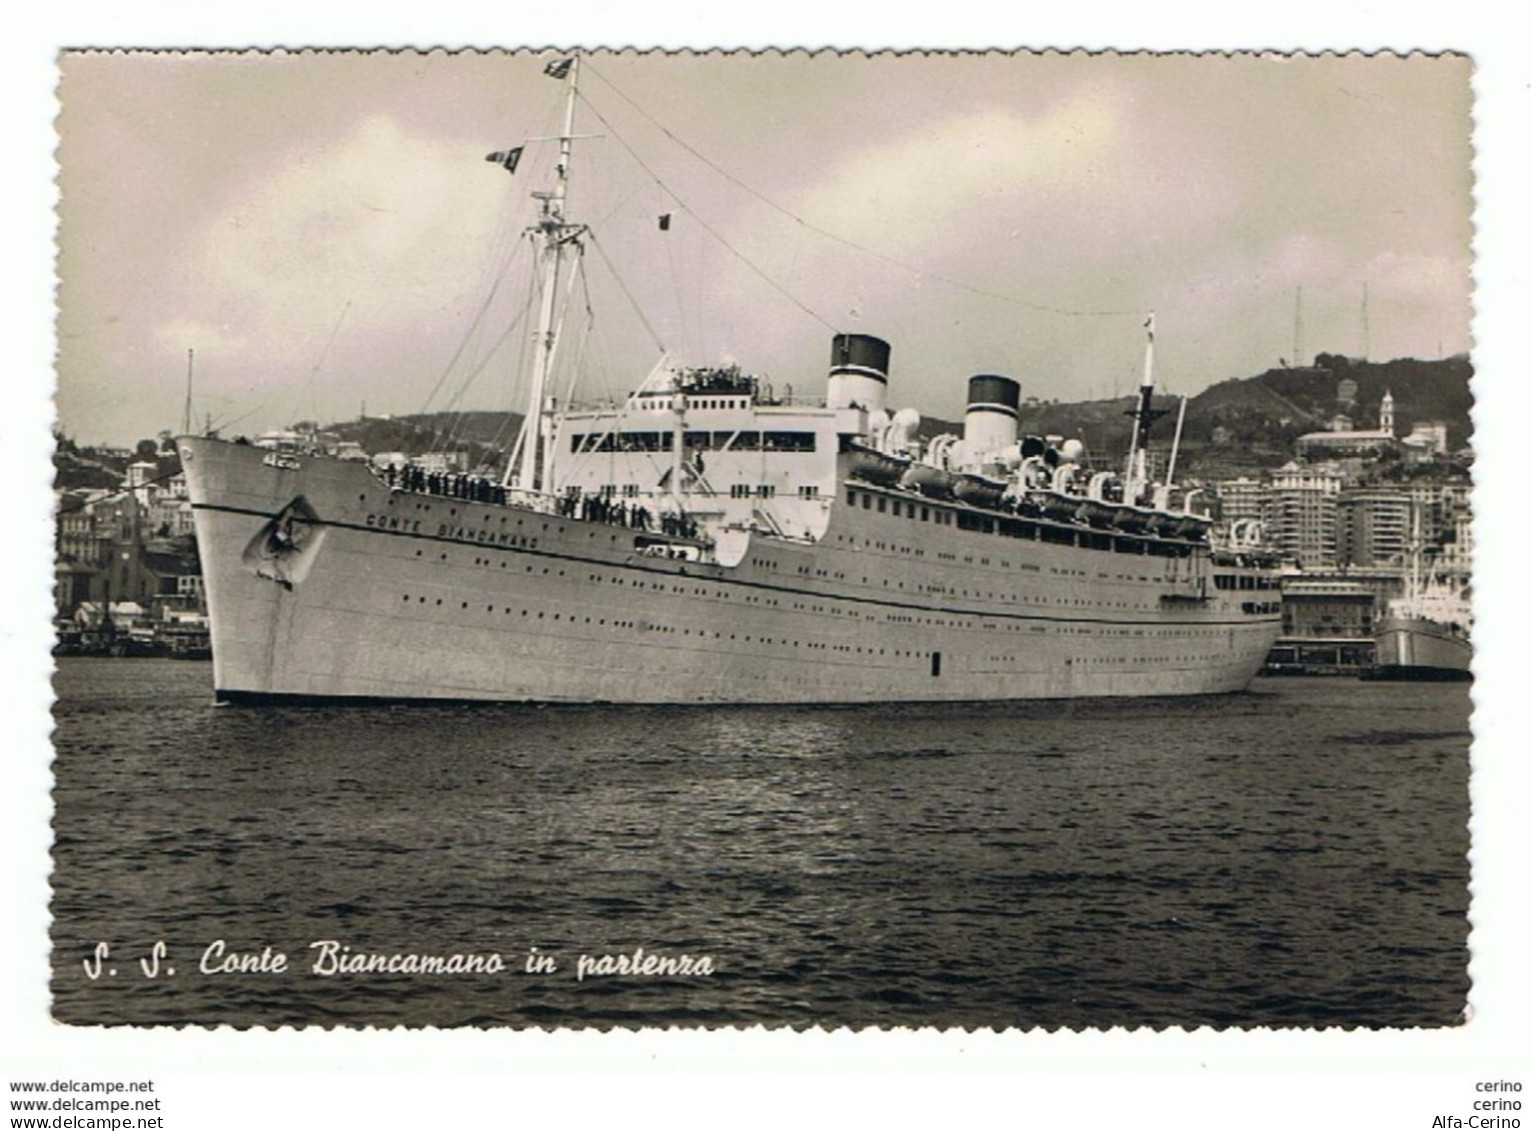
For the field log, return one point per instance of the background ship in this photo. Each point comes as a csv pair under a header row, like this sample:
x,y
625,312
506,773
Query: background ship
x,y
1427,633
706,540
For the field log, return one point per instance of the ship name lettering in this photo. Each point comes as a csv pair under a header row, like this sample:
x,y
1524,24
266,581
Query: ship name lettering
x,y
394,522
336,958
218,959
492,537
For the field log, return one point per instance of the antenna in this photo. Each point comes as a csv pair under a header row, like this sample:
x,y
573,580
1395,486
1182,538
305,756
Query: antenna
x,y
186,413
1297,350
1366,321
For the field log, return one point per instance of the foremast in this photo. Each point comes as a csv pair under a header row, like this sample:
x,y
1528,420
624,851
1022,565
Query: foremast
x,y
1143,415
556,239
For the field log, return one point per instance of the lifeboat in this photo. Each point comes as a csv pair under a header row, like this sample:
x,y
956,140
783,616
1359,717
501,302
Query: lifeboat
x,y
1054,505
873,466
1190,526
1093,512
932,482
1135,520
979,490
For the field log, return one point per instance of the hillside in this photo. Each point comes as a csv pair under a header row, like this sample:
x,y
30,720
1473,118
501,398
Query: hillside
x,y
1422,391
483,433
1235,427
1244,425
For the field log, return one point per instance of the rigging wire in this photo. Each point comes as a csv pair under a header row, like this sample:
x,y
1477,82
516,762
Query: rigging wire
x,y
490,353
521,363
630,405
313,405
598,372
574,371
680,299
612,267
680,203
223,422
504,234
473,327
579,357
808,224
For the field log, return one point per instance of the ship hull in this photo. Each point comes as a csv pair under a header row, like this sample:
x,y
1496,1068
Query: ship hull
x,y
1414,648
325,584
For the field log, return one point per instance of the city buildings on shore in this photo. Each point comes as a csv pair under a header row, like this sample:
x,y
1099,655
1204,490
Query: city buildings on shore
x,y
1299,510
126,574
1327,627
1347,514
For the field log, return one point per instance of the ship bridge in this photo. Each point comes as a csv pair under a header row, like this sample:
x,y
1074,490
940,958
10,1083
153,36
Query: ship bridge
x,y
716,443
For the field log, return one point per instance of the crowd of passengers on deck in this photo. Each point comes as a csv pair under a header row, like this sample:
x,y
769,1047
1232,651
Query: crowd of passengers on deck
x,y
602,508
571,504
474,488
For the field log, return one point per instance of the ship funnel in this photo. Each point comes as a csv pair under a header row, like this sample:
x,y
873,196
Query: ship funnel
x,y
858,372
993,414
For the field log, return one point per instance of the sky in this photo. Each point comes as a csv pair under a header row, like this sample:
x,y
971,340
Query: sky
x,y
322,228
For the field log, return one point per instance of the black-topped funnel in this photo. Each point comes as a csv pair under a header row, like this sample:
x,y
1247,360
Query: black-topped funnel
x,y
993,413
858,372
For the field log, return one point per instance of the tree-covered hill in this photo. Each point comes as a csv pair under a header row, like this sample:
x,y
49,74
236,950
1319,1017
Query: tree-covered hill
x,y
1238,426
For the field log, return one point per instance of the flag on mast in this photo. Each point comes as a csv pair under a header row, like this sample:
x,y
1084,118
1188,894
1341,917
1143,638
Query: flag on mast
x,y
559,68
509,158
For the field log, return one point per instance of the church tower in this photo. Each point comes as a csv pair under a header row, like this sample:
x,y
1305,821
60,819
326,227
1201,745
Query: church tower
x,y
1385,416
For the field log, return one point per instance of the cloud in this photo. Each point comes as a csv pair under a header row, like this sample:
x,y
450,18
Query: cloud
x,y
383,220
207,338
246,206
906,195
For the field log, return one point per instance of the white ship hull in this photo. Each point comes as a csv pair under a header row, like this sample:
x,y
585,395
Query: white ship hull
x,y
1419,648
396,595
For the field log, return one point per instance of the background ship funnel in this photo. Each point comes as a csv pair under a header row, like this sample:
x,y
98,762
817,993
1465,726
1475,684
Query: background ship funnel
x,y
858,372
993,414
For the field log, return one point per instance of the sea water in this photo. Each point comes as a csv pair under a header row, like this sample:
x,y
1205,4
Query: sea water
x,y
1293,855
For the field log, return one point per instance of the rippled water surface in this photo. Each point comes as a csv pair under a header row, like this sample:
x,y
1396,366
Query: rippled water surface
x,y
1292,856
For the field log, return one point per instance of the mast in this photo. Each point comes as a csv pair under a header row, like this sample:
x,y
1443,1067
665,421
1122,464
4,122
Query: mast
x,y
555,236
1415,550
1169,476
1143,417
186,413
678,452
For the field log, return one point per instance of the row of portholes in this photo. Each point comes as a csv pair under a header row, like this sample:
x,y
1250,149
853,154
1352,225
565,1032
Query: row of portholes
x,y
750,599
700,633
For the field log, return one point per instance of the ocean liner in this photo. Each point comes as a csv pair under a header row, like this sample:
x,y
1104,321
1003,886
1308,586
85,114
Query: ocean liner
x,y
708,541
